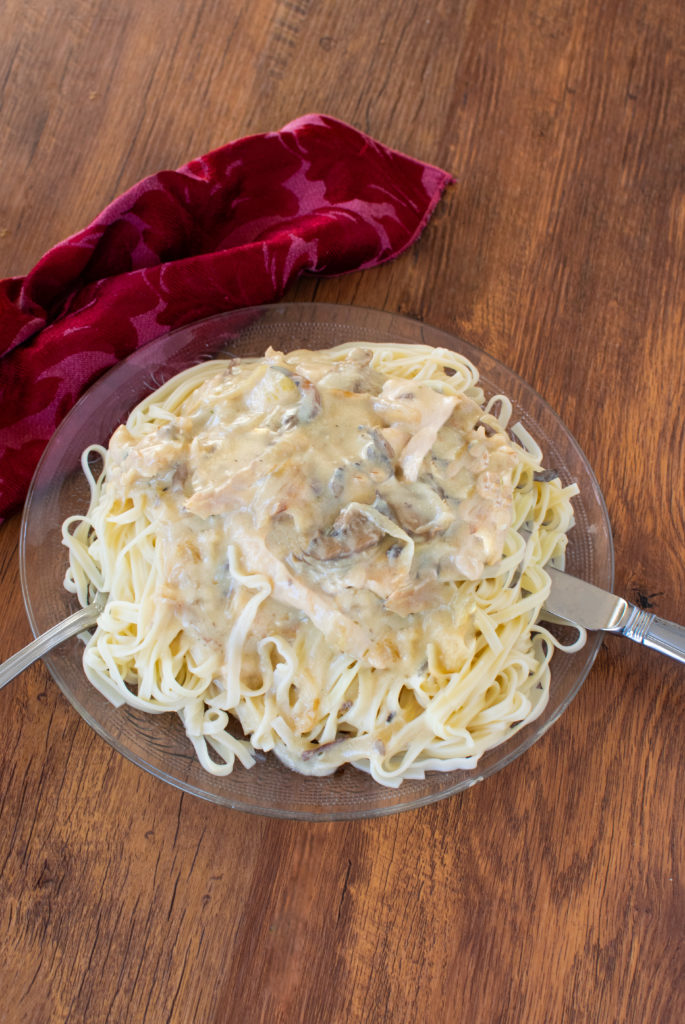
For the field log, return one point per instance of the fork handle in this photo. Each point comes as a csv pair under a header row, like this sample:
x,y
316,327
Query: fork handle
x,y
81,619
660,634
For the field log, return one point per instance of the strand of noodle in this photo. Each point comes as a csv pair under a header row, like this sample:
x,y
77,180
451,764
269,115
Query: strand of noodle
x,y
488,630
94,483
171,395
505,410
343,678
525,438
236,639
83,570
262,732
126,517
569,648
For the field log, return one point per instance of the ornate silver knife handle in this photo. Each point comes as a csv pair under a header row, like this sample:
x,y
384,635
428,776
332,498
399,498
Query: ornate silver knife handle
x,y
645,628
576,600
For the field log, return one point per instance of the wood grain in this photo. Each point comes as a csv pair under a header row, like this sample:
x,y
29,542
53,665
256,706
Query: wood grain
x,y
554,890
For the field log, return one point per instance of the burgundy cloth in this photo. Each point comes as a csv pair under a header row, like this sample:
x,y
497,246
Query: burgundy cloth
x,y
230,229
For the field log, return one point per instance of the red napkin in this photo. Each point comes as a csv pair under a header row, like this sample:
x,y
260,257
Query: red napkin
x,y
230,229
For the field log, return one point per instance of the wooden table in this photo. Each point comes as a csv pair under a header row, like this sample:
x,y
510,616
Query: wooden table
x,y
553,890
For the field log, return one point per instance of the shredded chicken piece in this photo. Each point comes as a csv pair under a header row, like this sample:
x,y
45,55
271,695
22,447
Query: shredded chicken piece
x,y
423,440
341,631
414,597
421,408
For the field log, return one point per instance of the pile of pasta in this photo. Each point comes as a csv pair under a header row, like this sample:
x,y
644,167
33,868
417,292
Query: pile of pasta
x,y
335,556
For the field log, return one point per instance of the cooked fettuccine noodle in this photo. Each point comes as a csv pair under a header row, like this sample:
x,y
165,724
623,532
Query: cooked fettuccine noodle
x,y
337,556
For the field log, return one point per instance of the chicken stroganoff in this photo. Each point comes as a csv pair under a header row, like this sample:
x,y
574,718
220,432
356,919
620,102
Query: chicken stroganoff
x,y
337,556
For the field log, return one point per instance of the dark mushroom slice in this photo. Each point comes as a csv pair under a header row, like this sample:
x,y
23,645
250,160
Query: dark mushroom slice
x,y
351,533
378,453
419,509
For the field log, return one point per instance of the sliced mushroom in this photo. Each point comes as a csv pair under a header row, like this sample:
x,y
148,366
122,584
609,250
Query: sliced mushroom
x,y
336,484
378,453
418,508
309,405
351,533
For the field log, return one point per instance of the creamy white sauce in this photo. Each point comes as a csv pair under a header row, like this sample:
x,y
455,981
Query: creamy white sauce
x,y
358,497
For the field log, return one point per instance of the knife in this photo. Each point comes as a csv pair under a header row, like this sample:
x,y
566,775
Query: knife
x,y
586,605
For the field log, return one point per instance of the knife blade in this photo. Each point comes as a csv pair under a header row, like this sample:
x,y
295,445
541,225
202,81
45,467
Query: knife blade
x,y
584,604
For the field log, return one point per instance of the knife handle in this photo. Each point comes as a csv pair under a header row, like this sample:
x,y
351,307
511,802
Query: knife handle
x,y
648,629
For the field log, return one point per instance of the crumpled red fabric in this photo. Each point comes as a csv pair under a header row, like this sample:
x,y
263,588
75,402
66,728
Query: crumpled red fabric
x,y
229,229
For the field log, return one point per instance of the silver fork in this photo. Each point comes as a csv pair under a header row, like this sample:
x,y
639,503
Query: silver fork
x,y
60,632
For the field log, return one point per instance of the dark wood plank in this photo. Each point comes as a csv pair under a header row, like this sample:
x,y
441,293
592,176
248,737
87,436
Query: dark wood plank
x,y
552,891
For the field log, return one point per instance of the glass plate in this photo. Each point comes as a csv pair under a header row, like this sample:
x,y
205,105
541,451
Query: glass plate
x,y
158,742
